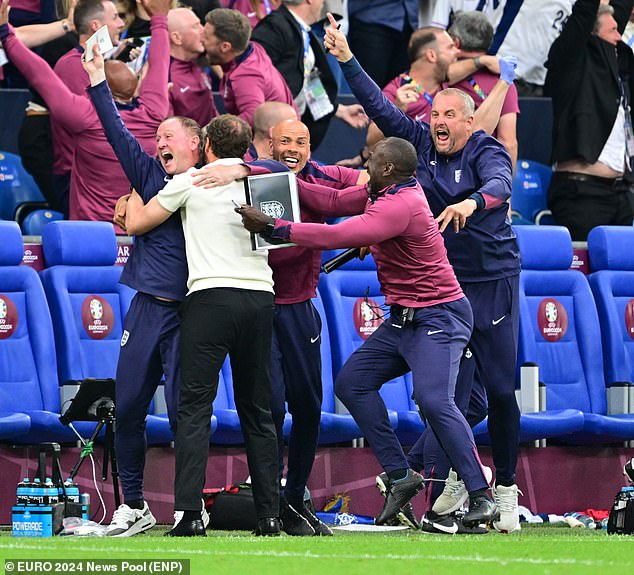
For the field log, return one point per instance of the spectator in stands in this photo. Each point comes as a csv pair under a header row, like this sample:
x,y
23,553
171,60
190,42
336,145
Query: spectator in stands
x,y
526,30
425,322
433,55
466,177
473,34
228,310
190,90
97,180
441,13
249,75
254,10
34,138
379,35
89,16
591,80
300,57
266,117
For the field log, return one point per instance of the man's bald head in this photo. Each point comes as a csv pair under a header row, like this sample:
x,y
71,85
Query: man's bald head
x,y
121,80
186,34
269,114
290,144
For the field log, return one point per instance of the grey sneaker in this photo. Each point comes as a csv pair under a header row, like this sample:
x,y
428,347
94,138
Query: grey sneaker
x,y
127,522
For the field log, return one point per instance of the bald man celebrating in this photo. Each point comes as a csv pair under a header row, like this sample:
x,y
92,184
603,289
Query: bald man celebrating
x,y
190,92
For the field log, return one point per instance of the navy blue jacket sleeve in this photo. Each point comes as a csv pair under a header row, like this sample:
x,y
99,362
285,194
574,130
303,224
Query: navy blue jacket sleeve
x,y
137,164
390,120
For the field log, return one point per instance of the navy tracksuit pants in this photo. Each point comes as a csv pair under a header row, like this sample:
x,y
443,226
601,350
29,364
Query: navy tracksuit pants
x,y
431,347
150,347
487,378
296,380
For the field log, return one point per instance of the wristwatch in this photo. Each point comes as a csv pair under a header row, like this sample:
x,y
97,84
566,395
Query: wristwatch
x,y
269,228
65,26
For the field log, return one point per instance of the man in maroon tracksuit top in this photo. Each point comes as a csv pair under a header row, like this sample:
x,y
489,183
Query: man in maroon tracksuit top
x,y
97,179
430,323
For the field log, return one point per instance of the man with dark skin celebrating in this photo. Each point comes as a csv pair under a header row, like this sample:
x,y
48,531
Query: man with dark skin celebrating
x,y
430,322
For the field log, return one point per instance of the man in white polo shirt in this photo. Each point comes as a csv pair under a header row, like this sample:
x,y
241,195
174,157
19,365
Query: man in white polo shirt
x,y
228,310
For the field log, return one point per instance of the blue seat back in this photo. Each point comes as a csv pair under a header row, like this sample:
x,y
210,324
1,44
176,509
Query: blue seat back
x,y
34,222
17,186
354,309
28,367
611,255
87,301
327,383
530,187
559,324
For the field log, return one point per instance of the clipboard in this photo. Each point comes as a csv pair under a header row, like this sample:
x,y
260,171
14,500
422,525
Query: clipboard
x,y
276,195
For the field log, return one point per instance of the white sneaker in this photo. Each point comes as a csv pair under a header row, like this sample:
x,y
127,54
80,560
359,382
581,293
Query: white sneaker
x,y
127,522
455,494
178,515
506,500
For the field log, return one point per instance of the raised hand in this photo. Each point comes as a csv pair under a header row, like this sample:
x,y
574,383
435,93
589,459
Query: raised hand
x,y
335,41
508,69
95,68
157,7
4,12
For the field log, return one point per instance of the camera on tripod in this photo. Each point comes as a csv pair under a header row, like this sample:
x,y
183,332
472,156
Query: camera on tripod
x,y
104,409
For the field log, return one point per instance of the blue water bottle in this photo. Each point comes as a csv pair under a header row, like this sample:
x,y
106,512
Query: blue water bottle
x,y
52,496
37,492
72,491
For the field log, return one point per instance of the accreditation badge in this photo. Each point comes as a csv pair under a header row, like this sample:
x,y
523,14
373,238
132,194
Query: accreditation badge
x,y
316,97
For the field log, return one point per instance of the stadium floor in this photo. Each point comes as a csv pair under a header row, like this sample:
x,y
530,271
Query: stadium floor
x,y
535,550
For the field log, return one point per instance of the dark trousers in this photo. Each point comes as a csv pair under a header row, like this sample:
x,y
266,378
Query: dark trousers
x,y
296,380
431,346
150,347
381,51
217,322
583,205
486,382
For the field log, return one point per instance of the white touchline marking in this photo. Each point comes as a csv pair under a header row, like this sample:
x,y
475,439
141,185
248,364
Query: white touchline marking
x,y
329,556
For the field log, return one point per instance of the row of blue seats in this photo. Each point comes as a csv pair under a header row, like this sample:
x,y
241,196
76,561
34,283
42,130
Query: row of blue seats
x,y
65,325
559,332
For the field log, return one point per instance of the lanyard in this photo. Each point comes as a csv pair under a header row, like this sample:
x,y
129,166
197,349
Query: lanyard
x,y
477,88
267,7
306,52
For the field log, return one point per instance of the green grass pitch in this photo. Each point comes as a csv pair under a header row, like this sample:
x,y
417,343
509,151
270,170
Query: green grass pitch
x,y
535,550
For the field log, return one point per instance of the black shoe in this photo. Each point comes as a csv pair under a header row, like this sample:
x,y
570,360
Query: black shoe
x,y
464,530
481,510
406,515
268,527
187,529
628,470
319,527
293,523
439,524
399,493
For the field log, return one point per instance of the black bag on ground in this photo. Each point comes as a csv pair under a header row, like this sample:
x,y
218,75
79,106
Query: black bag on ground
x,y
231,508
621,520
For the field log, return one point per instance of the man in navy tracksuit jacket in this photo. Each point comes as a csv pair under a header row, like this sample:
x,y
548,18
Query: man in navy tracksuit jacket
x,y
157,269
468,185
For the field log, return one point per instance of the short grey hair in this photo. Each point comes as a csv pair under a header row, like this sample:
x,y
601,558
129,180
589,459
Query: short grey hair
x,y
602,11
468,106
474,31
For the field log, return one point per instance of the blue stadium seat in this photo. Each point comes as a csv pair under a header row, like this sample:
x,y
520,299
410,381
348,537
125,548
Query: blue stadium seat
x,y
228,430
559,329
611,255
28,366
13,425
86,301
35,221
17,187
354,306
530,188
